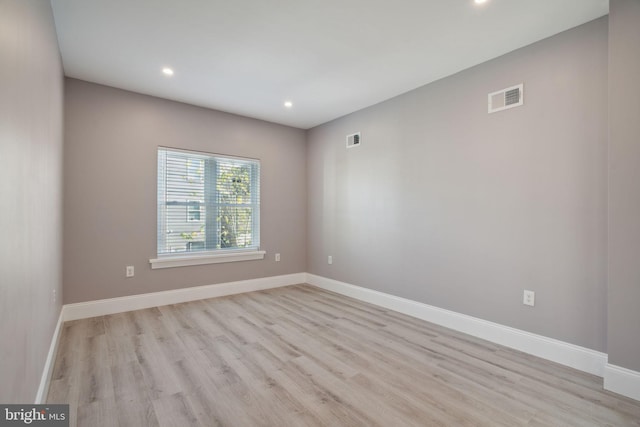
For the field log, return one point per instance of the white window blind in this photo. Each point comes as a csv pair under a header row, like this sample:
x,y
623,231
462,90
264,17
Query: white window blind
x,y
207,203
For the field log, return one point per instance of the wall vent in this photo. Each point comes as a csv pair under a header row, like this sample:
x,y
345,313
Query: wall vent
x,y
506,98
353,140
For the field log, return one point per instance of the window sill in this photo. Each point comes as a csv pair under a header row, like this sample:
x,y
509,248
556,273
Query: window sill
x,y
206,258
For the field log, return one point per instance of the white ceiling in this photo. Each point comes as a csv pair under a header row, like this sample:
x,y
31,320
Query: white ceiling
x,y
329,57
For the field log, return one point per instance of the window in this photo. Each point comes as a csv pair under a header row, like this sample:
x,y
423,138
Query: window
x,y
193,211
208,208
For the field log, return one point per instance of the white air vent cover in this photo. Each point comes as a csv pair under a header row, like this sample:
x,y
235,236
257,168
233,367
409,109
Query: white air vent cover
x,y
353,140
506,98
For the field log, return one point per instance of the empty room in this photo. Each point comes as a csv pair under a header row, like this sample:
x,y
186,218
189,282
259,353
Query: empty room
x,y
320,213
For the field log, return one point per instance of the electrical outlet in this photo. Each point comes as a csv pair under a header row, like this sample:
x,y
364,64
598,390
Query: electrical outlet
x,y
329,259
55,295
130,271
529,298
277,257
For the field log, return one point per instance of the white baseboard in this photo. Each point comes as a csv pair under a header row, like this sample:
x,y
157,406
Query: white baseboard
x,y
616,379
47,371
103,307
622,381
571,355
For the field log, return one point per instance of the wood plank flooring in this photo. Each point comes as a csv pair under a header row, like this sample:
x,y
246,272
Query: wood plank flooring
x,y
300,356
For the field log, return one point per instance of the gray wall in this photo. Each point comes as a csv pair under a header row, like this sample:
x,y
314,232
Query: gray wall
x,y
31,188
448,205
111,141
624,184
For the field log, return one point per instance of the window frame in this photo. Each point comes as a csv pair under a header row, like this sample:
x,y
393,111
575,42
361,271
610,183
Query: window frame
x,y
207,256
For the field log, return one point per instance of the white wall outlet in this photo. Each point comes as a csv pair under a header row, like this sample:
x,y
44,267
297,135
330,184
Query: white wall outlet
x,y
130,271
529,298
55,295
277,257
329,259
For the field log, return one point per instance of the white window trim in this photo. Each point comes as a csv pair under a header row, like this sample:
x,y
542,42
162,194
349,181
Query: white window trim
x,y
205,258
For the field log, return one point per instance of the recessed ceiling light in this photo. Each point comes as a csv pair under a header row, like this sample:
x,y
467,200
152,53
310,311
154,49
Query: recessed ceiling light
x,y
167,71
288,104
480,1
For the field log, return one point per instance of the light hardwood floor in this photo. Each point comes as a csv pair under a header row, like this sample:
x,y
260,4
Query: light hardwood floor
x,y
300,356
